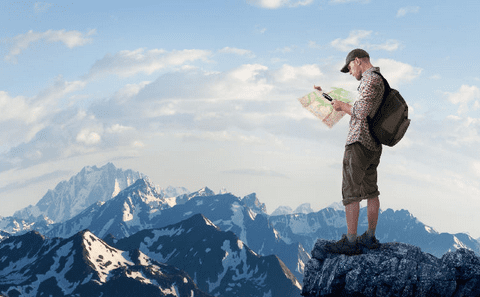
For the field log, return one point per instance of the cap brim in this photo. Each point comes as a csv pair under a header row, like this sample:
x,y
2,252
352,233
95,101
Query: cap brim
x,y
345,68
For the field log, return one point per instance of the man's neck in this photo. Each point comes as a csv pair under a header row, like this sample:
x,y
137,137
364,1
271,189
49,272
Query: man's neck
x,y
365,66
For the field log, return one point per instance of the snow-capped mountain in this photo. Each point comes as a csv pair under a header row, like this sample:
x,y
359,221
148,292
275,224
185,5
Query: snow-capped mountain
x,y
219,262
182,199
303,208
71,197
84,265
90,186
129,212
140,207
399,225
290,235
254,204
286,210
13,225
282,210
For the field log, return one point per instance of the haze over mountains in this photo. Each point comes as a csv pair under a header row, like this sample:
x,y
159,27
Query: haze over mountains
x,y
219,244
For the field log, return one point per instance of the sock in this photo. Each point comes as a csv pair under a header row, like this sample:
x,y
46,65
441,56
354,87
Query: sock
x,y
371,233
351,237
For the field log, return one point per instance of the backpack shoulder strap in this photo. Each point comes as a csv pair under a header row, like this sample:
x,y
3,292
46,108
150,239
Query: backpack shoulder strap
x,y
385,83
386,92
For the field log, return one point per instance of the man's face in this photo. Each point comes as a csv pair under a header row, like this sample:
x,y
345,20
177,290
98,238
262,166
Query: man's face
x,y
354,69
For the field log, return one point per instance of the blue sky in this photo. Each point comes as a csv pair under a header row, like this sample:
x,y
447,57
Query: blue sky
x,y
204,93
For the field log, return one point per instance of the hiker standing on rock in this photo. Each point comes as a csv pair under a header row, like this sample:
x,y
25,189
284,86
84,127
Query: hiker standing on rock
x,y
362,155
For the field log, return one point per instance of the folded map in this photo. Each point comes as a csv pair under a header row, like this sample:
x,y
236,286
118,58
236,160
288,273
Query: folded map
x,y
322,108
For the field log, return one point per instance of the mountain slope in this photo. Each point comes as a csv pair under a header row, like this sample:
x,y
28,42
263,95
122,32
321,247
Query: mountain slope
x,y
220,263
229,213
84,265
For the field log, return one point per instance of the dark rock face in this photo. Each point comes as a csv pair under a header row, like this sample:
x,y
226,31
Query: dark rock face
x,y
395,269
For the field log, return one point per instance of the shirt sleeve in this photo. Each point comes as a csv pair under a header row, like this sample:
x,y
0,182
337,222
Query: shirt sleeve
x,y
368,91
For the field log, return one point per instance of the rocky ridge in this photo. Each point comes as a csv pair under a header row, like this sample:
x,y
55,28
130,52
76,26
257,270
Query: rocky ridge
x,y
395,269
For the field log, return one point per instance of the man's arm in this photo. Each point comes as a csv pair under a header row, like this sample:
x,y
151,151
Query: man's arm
x,y
369,91
342,106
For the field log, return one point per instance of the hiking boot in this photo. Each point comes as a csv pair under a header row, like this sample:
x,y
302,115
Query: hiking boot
x,y
343,246
369,242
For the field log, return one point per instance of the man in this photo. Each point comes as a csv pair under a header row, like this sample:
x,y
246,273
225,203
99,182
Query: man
x,y
362,155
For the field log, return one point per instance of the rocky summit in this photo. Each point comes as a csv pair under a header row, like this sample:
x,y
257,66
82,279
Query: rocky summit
x,y
395,269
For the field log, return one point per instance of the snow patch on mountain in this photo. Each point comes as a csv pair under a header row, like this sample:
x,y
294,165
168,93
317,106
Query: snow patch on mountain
x,y
237,219
104,258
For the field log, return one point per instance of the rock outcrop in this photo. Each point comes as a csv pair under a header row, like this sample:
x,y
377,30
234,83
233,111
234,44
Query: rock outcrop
x,y
395,269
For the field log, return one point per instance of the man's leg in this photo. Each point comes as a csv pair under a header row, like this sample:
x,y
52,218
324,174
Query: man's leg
x,y
352,211
373,206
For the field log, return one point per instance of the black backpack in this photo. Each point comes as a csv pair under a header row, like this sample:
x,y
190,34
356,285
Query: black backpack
x,y
390,121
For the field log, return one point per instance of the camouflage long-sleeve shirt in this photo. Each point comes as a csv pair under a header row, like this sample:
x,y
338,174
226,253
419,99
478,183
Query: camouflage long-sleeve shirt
x,y
370,90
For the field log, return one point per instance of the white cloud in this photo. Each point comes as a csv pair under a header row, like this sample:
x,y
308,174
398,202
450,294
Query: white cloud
x,y
463,97
237,51
117,128
356,39
128,63
405,10
70,38
228,136
292,74
274,4
463,131
247,82
61,88
130,90
29,112
15,108
88,137
397,72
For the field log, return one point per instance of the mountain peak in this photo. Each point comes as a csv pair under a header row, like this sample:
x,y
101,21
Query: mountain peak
x,y
282,210
254,204
69,198
143,184
205,192
303,208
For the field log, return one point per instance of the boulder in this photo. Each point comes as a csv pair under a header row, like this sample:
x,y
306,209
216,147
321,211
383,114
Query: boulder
x,y
395,269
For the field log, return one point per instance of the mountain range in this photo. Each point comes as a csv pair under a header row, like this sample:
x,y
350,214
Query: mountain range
x,y
226,245
84,265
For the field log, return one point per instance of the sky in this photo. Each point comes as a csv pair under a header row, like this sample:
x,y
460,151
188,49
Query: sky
x,y
204,93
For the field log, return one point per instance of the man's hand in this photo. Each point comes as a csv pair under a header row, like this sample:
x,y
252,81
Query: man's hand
x,y
342,106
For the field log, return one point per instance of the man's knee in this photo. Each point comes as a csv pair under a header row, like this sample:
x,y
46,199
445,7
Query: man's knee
x,y
350,200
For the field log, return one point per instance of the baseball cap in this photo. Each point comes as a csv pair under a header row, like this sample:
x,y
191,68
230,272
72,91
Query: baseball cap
x,y
356,53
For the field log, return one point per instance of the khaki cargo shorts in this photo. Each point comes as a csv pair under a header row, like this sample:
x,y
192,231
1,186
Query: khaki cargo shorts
x,y
359,173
